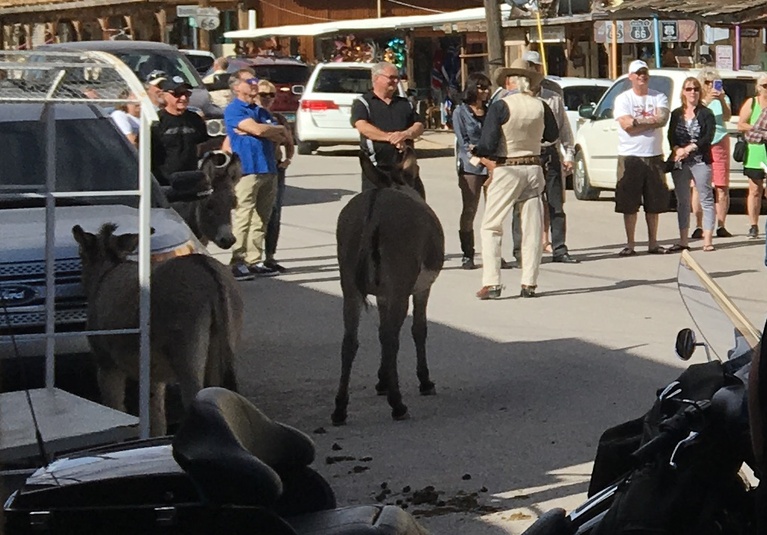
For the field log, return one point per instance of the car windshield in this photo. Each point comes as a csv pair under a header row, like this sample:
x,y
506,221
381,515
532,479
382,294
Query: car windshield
x,y
144,62
283,74
578,95
91,155
343,81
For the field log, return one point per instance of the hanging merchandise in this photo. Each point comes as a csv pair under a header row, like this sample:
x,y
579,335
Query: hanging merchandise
x,y
395,52
354,50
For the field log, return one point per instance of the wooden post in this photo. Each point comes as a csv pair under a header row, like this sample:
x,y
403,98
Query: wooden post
x,y
104,25
77,26
614,54
162,21
494,35
204,35
129,25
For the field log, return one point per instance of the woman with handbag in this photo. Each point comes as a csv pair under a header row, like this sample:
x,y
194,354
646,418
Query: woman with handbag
x,y
690,132
713,96
756,156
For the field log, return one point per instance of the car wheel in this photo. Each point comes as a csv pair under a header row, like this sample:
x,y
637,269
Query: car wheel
x,y
306,147
581,186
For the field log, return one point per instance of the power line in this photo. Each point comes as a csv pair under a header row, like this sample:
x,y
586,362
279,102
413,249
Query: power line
x,y
415,7
297,13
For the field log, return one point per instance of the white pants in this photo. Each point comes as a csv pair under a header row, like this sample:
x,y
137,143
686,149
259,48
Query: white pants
x,y
512,184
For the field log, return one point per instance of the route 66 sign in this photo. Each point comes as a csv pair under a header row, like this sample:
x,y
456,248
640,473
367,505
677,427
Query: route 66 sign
x,y
640,30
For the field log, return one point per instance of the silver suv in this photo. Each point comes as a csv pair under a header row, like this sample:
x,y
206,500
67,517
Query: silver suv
x,y
91,155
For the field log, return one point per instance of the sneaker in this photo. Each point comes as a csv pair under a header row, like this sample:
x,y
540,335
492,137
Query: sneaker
x,y
271,264
722,232
261,270
697,234
241,272
467,262
753,232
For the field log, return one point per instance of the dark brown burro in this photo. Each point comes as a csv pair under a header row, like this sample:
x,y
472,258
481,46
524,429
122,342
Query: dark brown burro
x,y
195,325
390,245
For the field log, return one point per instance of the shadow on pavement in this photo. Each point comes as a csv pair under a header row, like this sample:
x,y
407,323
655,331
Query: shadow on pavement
x,y
506,414
295,196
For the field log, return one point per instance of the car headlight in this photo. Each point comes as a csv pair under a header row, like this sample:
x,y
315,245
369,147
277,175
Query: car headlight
x,y
215,127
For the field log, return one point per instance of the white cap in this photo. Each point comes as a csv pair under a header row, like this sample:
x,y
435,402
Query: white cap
x,y
636,65
532,56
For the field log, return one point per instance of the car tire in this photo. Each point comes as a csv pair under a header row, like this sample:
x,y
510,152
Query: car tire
x,y
581,186
306,147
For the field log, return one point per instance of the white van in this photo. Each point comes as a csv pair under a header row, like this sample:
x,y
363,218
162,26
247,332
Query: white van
x,y
596,142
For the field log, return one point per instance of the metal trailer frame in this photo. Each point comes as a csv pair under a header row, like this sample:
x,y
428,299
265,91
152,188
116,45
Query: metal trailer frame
x,y
59,67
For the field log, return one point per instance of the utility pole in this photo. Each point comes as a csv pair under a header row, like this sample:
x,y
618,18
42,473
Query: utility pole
x,y
495,55
379,9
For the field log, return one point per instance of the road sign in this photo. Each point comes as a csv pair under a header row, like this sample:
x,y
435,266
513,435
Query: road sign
x,y
186,11
207,12
207,23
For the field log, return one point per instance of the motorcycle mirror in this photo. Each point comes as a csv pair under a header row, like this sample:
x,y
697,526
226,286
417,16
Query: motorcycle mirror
x,y
685,344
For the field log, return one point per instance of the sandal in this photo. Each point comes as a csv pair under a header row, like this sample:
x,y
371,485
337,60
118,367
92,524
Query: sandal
x,y
678,248
709,248
547,247
626,251
658,249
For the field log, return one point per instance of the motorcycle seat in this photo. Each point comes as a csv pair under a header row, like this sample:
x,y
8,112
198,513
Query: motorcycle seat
x,y
358,520
234,453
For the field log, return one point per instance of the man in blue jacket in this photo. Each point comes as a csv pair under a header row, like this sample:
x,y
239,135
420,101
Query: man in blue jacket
x,y
252,132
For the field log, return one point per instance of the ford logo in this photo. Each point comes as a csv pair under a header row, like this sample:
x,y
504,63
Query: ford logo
x,y
17,294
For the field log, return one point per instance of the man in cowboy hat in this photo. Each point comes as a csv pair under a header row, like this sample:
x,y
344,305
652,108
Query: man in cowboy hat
x,y
510,148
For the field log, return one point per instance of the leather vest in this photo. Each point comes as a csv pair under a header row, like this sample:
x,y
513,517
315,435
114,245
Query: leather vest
x,y
521,135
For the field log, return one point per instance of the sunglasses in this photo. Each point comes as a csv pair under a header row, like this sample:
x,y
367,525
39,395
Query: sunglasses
x,y
251,81
266,95
179,94
483,87
691,89
708,82
642,72
763,85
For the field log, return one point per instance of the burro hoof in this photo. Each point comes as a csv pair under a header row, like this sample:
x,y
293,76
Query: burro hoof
x,y
382,389
338,418
400,414
428,389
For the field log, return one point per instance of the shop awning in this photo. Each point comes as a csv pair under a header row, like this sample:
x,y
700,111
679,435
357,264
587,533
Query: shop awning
x,y
356,25
709,11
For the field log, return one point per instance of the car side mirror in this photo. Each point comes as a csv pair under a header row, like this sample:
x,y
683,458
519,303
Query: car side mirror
x,y
586,111
685,344
187,186
297,89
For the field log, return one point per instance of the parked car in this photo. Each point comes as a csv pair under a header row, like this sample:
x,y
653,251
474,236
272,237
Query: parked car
x,y
202,60
91,155
324,113
579,92
285,73
144,57
596,143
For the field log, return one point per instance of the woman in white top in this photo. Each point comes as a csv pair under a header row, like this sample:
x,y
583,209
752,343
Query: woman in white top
x,y
126,117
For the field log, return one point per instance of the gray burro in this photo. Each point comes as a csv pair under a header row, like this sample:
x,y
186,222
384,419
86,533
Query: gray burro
x,y
390,244
196,320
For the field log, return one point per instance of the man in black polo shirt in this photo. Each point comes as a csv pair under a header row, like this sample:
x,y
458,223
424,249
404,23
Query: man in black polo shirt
x,y
386,122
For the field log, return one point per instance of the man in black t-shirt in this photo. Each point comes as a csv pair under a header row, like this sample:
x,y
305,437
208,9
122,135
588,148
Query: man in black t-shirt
x,y
386,122
177,134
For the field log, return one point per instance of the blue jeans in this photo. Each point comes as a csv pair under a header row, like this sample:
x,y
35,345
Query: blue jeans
x,y
273,229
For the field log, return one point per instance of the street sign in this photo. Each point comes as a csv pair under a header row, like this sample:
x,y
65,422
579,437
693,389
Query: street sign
x,y
186,11
207,23
207,12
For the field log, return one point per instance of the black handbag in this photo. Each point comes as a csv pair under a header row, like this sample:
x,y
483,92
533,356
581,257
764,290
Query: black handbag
x,y
740,150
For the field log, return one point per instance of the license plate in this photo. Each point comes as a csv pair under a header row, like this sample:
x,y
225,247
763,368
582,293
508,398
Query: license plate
x,y
291,117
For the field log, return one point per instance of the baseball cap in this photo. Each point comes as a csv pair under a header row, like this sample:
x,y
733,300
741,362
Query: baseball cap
x,y
532,56
636,65
155,77
173,84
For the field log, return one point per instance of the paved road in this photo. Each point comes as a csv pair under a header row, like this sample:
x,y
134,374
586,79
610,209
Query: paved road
x,y
525,387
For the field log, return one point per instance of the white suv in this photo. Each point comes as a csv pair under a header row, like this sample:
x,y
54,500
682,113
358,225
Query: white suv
x,y
596,142
324,112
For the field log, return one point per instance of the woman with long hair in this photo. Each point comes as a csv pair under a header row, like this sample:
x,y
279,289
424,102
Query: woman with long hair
x,y
126,117
690,132
756,155
467,124
718,102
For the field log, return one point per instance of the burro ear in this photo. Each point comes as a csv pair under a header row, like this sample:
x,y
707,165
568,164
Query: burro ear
x,y
409,167
84,239
373,173
124,244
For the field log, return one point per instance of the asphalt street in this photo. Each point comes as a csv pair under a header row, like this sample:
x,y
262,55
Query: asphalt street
x,y
524,386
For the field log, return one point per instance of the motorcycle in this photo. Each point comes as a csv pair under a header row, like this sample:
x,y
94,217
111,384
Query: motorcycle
x,y
229,469
678,468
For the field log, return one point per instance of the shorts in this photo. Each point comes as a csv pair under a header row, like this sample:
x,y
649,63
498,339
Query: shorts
x,y
757,175
720,164
641,182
